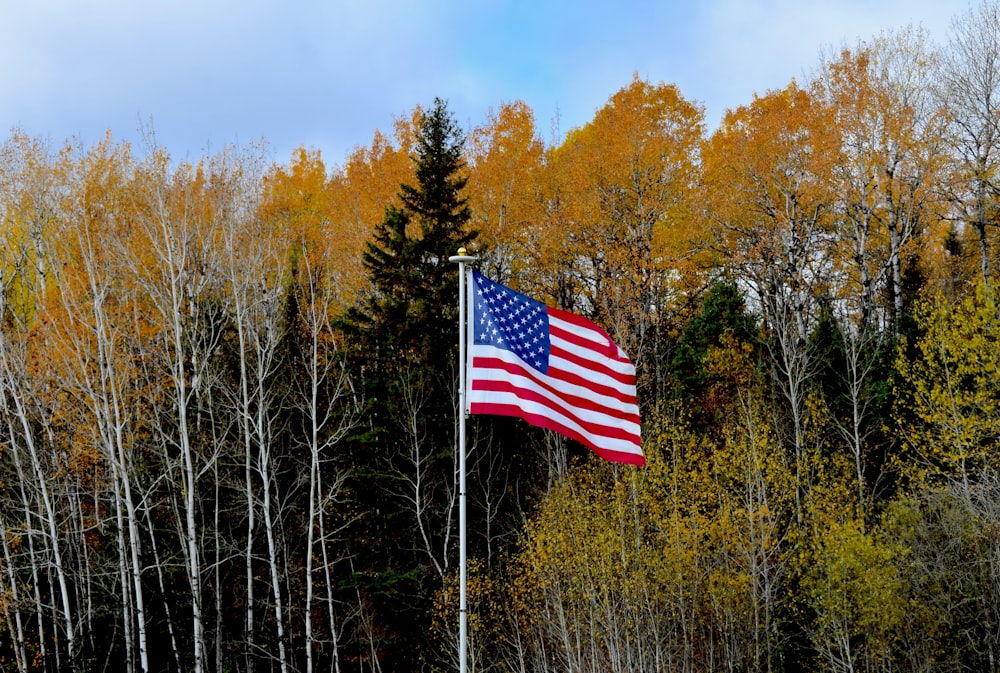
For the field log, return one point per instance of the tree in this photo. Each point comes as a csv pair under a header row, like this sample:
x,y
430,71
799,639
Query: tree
x,y
505,161
852,372
408,373
768,170
615,246
90,348
679,566
885,172
722,322
970,77
251,259
892,132
31,178
854,586
174,263
358,194
949,406
321,396
46,478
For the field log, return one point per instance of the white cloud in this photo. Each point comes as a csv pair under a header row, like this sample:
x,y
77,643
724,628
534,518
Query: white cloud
x,y
328,73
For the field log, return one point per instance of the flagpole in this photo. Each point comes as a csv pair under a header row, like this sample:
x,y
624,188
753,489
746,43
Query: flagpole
x,y
462,258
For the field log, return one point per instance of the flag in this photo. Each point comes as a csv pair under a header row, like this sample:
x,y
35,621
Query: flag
x,y
552,368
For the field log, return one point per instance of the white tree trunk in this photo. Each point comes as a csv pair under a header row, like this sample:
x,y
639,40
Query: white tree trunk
x,y
11,373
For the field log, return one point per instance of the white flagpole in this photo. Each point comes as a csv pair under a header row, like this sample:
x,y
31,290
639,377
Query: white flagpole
x,y
462,258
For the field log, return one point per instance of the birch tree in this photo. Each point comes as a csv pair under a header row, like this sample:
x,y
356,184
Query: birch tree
x,y
330,408
174,262
92,351
253,257
33,179
970,86
625,187
892,154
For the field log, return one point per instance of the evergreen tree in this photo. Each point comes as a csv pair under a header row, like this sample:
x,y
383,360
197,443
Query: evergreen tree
x,y
723,322
405,351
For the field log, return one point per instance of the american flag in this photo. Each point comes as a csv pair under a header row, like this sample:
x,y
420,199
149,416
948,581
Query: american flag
x,y
552,368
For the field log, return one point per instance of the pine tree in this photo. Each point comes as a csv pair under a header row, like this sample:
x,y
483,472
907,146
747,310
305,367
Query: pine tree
x,y
722,322
405,349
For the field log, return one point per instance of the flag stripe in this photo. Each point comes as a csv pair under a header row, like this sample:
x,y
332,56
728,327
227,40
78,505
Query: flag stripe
x,y
606,431
618,454
611,384
533,401
578,382
591,340
587,343
594,382
571,398
572,354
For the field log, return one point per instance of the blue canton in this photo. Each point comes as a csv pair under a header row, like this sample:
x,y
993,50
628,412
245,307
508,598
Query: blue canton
x,y
510,320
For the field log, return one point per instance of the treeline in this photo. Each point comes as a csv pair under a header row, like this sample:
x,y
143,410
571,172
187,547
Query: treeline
x,y
228,417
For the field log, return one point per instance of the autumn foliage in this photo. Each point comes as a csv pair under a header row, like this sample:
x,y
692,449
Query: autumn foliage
x,y
227,388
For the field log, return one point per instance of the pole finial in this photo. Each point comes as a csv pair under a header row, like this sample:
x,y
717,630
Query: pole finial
x,y
462,256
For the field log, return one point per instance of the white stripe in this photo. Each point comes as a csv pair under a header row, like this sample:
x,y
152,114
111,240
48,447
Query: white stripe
x,y
611,418
623,366
596,377
531,407
564,387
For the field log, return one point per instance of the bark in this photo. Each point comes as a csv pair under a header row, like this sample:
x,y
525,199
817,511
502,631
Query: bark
x,y
12,374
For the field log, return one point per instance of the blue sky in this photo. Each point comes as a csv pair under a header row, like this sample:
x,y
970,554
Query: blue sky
x,y
325,74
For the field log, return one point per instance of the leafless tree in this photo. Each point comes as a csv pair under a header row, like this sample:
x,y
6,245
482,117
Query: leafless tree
x,y
970,89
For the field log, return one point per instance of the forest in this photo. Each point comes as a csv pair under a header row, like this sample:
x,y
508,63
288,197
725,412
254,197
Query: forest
x,y
229,410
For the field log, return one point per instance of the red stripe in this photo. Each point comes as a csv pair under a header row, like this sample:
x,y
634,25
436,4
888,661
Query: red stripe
x,y
599,429
581,322
604,347
550,424
602,351
577,401
624,380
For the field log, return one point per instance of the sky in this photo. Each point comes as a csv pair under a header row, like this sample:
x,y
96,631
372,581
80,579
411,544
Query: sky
x,y
195,76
